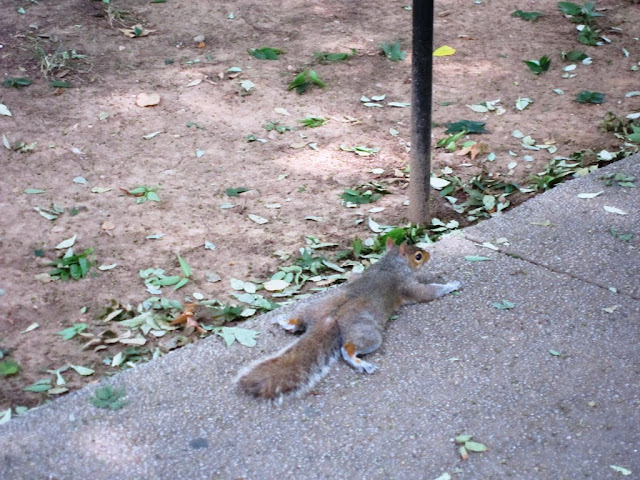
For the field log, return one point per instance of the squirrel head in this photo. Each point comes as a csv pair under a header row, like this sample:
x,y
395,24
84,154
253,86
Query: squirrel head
x,y
414,256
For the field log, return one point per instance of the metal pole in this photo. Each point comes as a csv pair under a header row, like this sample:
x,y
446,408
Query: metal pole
x,y
422,72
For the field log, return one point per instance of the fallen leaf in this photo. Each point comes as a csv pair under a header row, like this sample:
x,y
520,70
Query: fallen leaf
x,y
624,471
147,99
476,258
4,110
275,285
444,51
149,136
258,219
31,327
66,243
107,225
614,210
84,371
590,195
107,267
43,277
475,447
438,183
136,31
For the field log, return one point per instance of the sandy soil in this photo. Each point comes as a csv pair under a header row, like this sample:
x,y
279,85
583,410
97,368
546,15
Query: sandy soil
x,y
93,133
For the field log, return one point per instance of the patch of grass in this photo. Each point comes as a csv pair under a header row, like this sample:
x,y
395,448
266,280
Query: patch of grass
x,y
72,266
265,53
61,59
109,397
144,193
539,66
325,57
313,122
305,80
584,13
527,16
359,196
278,127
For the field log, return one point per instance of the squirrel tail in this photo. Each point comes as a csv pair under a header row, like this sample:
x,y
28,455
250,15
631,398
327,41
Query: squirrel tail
x,y
296,368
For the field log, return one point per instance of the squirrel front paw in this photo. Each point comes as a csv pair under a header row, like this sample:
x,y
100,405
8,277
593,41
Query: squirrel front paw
x,y
446,288
455,285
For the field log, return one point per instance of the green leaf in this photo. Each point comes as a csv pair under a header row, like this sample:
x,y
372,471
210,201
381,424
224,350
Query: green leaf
x,y
84,371
153,196
184,266
538,66
242,335
574,56
569,8
393,51
8,367
334,57
33,191
16,82
235,192
590,97
69,333
353,196
315,79
475,447
468,126
60,84
554,353
528,16
476,258
587,36
265,53
181,283
40,386
624,471
313,122
504,305
463,438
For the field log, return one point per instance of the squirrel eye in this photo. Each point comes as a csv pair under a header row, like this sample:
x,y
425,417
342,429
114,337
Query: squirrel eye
x,y
418,256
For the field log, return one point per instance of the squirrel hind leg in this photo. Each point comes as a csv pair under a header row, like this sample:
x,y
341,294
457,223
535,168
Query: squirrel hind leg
x,y
292,324
350,355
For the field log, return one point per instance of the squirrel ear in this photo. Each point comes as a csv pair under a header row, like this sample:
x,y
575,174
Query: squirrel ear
x,y
390,244
403,249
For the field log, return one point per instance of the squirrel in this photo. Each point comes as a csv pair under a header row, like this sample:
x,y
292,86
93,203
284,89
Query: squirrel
x,y
349,322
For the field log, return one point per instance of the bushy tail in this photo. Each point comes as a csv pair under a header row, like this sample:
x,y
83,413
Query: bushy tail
x,y
296,368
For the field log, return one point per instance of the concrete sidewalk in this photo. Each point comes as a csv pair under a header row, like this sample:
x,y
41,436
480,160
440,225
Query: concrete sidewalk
x,y
457,365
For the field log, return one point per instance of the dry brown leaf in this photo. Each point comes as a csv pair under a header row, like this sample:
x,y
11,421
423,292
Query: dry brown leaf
x,y
473,150
187,318
147,99
132,33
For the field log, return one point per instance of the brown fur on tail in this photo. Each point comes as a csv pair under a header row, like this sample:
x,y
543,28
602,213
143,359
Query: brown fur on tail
x,y
296,368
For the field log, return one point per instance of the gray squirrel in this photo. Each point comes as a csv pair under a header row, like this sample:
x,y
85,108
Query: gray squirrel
x,y
349,322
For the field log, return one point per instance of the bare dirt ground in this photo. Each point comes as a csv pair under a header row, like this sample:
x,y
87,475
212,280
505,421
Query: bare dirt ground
x,y
91,145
